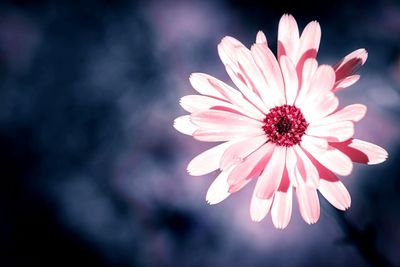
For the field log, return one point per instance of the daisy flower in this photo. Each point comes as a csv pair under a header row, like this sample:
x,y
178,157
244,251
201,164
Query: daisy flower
x,y
282,127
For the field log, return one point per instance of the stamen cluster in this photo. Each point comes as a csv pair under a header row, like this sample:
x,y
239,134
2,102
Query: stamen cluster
x,y
285,125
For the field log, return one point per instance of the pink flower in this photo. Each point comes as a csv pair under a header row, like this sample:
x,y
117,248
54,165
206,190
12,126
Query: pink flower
x,y
283,127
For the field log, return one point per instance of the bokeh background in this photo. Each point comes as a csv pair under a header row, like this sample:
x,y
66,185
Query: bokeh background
x,y
93,173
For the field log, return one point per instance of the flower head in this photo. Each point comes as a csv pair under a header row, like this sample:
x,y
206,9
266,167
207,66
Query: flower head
x,y
282,127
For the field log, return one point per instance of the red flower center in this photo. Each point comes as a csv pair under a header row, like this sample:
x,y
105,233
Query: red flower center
x,y
285,125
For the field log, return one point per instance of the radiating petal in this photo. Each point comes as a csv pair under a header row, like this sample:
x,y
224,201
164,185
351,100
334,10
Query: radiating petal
x,y
259,208
251,165
308,203
309,68
252,76
352,113
322,82
288,37
306,168
336,193
261,39
217,119
196,103
241,69
309,41
291,166
208,161
184,125
236,153
274,93
319,107
332,158
248,93
271,177
281,210
290,78
362,151
218,190
220,135
333,132
210,86
346,82
350,63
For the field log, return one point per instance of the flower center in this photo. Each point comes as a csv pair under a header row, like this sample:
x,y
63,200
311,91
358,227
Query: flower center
x,y
285,125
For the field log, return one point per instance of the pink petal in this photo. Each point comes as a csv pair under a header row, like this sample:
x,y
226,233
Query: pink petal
x,y
332,158
210,86
362,151
207,161
226,50
236,153
248,92
220,135
309,68
184,125
319,107
271,177
274,93
336,193
290,78
322,81
308,203
288,37
319,143
196,103
306,168
218,190
239,185
346,82
253,164
281,211
352,113
235,56
217,119
252,75
350,64
309,41
333,132
261,39
291,166
259,208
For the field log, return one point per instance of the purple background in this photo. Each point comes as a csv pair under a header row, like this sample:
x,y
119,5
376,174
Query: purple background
x,y
93,174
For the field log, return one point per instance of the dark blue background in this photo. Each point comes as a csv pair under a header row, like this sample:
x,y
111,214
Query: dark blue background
x,y
93,174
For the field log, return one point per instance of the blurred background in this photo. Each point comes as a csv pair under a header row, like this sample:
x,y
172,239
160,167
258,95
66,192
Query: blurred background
x,y
93,173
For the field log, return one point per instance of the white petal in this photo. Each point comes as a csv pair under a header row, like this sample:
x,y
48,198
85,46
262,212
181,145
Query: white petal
x,y
236,153
333,159
281,211
308,203
309,41
353,113
288,37
184,125
333,132
336,193
290,78
362,151
345,82
273,94
259,208
271,177
218,190
208,161
306,168
261,39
